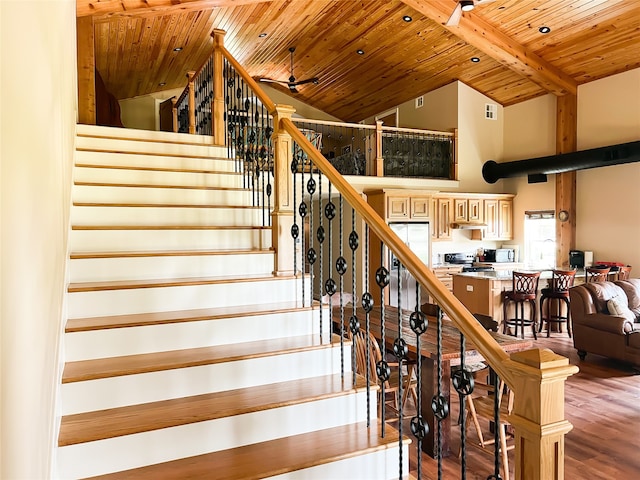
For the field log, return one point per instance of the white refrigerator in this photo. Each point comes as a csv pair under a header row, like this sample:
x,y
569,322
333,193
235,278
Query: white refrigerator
x,y
416,236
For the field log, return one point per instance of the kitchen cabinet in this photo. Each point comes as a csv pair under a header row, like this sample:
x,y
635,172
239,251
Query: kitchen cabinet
x,y
505,219
441,219
397,208
498,215
444,274
468,210
399,205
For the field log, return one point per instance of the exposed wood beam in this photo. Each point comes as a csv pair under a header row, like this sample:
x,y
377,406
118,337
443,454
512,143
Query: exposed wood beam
x,y
486,38
159,7
86,71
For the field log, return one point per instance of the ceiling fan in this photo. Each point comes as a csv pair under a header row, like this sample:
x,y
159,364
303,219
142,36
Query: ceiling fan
x,y
464,6
292,83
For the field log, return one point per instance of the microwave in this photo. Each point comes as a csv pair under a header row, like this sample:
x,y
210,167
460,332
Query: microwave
x,y
500,255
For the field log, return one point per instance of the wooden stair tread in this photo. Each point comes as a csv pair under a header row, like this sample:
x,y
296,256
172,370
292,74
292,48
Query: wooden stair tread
x,y
166,205
172,282
151,185
169,227
173,141
157,169
159,318
83,370
169,253
152,154
128,420
271,458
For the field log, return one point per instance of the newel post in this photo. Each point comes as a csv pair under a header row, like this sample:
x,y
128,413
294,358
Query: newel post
x,y
379,158
192,102
174,114
538,413
217,106
282,216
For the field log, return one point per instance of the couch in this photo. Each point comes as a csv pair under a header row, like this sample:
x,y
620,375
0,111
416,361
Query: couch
x,y
606,319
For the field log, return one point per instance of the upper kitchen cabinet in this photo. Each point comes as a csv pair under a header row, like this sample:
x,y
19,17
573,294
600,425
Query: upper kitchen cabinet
x,y
498,215
401,205
468,210
441,218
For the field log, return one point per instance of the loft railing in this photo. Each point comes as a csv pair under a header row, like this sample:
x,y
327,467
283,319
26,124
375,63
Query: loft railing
x,y
318,218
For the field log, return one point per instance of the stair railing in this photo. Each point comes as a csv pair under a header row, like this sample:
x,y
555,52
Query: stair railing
x,y
306,179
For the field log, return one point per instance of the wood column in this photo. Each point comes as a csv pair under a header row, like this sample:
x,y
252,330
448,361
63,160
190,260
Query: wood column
x,y
217,107
86,71
282,216
192,102
566,141
538,413
174,113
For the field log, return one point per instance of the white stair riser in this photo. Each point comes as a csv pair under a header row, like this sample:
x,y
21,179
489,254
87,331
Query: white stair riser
x,y
174,196
161,299
155,240
158,267
117,342
132,451
94,215
113,392
135,146
379,465
136,134
155,161
150,177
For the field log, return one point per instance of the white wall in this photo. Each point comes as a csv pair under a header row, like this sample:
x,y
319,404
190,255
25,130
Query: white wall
x,y
143,112
37,125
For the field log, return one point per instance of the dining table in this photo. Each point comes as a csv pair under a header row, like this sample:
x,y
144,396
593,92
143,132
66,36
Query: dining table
x,y
431,372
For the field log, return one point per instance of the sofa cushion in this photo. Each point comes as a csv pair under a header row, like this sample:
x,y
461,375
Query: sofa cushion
x,y
602,292
631,288
617,305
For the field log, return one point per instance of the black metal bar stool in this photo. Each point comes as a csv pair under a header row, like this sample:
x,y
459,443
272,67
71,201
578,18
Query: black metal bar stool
x,y
524,290
557,292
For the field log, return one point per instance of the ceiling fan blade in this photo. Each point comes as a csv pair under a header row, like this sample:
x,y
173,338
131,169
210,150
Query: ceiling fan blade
x,y
270,80
454,19
308,80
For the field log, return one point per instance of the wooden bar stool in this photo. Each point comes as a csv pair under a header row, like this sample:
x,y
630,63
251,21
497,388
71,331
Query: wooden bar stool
x,y
558,291
624,272
524,290
596,274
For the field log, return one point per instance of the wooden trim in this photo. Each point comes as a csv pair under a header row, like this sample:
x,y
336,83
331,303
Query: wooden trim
x,y
168,253
566,141
86,71
148,185
167,205
218,106
109,8
192,102
158,169
167,227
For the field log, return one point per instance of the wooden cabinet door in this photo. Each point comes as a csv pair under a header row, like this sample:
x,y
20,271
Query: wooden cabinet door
x,y
420,207
397,208
475,212
505,219
460,210
491,219
434,218
444,218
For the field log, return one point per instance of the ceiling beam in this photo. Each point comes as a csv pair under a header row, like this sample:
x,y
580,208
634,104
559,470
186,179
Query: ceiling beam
x,y
485,37
159,7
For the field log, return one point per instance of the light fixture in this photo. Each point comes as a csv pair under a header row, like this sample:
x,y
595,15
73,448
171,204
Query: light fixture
x,y
162,84
467,5
544,29
262,35
407,18
360,52
177,49
475,59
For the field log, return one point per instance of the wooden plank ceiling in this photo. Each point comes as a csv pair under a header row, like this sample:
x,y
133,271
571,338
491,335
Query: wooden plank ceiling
x,y
589,39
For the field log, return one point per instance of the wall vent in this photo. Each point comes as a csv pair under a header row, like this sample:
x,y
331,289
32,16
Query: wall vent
x,y
420,101
491,111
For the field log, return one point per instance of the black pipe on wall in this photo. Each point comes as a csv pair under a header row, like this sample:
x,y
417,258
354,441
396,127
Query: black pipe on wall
x,y
538,168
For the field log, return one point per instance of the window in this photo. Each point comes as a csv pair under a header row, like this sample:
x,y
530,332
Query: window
x,y
540,239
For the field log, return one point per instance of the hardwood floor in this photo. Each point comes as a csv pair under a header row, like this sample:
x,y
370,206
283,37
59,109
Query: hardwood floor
x,y
602,403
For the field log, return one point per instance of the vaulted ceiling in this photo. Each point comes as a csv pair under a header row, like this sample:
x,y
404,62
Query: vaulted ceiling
x,y
589,39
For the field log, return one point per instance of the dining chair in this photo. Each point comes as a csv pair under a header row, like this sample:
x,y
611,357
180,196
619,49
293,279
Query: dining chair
x,y
596,274
624,272
482,408
392,386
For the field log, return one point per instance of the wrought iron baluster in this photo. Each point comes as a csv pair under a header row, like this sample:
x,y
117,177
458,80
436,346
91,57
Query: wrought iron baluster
x,y
418,323
463,382
367,305
382,369
354,323
303,213
311,253
497,395
400,350
295,230
439,403
330,284
320,237
341,268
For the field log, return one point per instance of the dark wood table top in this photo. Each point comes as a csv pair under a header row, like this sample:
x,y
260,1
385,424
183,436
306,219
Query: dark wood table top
x,y
428,340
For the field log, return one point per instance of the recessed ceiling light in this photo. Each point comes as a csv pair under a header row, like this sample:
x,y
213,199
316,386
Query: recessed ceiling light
x,y
262,35
544,29
360,52
475,59
407,18
162,84
467,5
177,49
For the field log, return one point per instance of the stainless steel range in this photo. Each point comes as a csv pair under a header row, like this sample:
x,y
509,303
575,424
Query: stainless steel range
x,y
466,260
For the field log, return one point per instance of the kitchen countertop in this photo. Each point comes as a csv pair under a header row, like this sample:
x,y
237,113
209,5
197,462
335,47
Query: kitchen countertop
x,y
508,274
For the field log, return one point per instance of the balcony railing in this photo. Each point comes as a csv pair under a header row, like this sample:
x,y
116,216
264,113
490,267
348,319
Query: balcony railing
x,y
323,229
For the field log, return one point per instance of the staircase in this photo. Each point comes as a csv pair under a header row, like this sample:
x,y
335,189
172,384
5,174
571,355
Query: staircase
x,y
185,356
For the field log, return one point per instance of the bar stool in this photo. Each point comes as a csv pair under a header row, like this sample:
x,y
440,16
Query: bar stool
x,y
624,272
524,289
558,290
596,274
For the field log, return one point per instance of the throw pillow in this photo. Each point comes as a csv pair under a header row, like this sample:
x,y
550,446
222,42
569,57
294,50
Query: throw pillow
x,y
617,305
